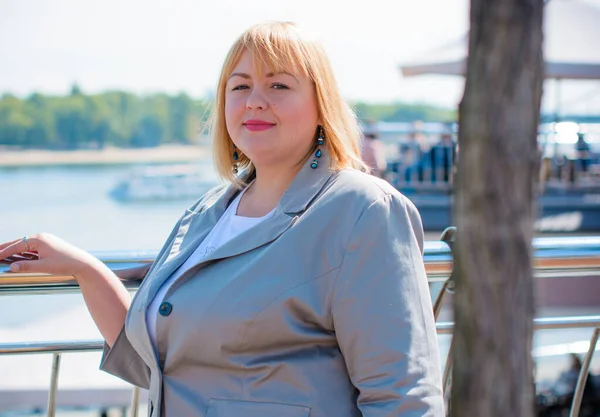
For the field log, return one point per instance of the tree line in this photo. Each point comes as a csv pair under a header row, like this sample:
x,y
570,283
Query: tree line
x,y
122,119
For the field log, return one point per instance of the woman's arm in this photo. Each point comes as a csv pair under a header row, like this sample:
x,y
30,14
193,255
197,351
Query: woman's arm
x,y
383,316
106,297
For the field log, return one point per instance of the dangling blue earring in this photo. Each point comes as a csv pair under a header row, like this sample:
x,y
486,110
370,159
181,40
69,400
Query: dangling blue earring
x,y
235,159
318,154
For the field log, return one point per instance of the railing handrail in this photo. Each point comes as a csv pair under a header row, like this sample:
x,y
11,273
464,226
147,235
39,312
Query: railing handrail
x,y
544,323
553,257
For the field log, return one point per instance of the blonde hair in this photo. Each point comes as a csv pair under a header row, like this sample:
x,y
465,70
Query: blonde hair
x,y
281,46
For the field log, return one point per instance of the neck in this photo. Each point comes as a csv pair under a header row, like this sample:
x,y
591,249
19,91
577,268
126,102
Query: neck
x,y
266,191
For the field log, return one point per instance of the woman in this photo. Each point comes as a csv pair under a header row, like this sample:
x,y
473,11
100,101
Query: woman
x,y
297,290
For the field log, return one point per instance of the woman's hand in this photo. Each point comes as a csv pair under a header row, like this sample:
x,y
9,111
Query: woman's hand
x,y
54,256
106,297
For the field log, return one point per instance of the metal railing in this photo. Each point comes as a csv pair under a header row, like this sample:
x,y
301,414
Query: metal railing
x,y
553,257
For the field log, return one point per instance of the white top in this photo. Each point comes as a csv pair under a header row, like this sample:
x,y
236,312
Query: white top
x,y
229,226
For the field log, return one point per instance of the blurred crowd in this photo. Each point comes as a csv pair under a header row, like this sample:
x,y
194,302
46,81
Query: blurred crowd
x,y
423,160
417,161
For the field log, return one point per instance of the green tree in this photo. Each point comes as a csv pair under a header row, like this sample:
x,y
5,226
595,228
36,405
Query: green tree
x,y
14,121
148,132
180,113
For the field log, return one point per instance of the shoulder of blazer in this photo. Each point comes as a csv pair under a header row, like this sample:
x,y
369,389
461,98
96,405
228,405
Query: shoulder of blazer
x,y
362,187
209,197
352,188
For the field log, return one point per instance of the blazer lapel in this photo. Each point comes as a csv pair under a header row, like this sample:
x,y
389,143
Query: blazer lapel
x,y
192,232
265,232
307,186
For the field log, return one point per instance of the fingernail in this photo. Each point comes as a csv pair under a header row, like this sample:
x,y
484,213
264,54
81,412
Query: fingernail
x,y
14,267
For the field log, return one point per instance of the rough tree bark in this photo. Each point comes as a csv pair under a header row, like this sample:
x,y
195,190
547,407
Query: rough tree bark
x,y
498,164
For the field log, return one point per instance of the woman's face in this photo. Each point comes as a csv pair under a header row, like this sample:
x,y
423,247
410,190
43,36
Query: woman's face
x,y
271,118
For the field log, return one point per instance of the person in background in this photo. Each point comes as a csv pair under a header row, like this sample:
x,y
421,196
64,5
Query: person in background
x,y
373,152
412,154
583,152
297,288
443,155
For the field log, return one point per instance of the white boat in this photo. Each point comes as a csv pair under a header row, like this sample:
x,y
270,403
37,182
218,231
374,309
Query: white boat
x,y
172,182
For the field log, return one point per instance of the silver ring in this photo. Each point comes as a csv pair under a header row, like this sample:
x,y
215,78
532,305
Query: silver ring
x,y
26,245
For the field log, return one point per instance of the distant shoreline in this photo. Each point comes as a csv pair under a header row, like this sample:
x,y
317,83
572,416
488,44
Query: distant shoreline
x,y
110,156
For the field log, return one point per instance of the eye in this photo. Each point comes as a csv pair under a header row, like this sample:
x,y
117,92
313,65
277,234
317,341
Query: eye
x,y
279,86
240,87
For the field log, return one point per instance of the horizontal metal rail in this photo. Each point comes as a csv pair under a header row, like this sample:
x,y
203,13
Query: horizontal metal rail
x,y
25,348
57,349
553,257
545,323
131,267
51,347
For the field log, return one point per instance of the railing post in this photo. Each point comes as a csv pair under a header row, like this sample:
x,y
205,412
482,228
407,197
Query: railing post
x,y
53,384
447,377
583,375
135,400
447,236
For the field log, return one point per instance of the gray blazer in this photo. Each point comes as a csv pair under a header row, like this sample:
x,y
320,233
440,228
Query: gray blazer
x,y
321,311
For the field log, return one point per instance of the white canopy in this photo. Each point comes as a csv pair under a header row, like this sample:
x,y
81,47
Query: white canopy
x,y
571,50
555,70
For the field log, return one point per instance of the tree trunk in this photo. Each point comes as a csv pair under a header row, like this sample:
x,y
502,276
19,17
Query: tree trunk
x,y
498,165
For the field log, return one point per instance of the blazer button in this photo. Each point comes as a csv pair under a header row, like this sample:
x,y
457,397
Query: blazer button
x,y
165,309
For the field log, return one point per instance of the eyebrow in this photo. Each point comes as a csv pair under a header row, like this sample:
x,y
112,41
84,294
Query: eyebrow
x,y
268,75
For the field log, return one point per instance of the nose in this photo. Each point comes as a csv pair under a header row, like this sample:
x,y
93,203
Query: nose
x,y
256,100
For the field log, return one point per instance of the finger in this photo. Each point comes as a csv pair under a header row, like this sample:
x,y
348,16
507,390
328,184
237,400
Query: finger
x,y
29,266
16,248
19,246
7,244
27,256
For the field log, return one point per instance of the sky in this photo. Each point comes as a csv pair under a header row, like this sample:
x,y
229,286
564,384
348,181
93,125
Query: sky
x,y
172,46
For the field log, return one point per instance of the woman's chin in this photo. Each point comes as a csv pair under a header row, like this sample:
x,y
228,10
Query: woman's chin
x,y
264,157
267,162
263,163
261,154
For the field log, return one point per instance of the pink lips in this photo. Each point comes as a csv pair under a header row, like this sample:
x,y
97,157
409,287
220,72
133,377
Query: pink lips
x,y
257,125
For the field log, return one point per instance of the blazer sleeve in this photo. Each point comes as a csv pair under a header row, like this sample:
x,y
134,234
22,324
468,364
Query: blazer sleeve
x,y
383,316
124,362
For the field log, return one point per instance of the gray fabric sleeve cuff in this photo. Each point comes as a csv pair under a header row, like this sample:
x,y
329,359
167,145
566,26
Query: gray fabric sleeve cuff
x,y
124,362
